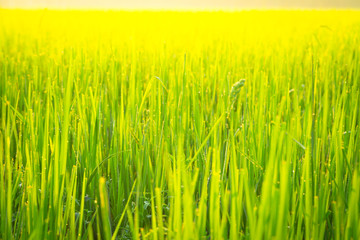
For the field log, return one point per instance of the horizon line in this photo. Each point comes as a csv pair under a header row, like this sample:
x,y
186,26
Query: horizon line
x,y
182,9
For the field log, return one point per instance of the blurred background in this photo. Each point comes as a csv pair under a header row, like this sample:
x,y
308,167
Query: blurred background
x,y
181,4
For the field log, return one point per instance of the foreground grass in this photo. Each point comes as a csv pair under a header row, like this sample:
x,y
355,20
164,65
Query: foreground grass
x,y
122,125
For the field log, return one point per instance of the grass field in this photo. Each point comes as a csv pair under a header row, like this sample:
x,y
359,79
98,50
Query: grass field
x,y
136,125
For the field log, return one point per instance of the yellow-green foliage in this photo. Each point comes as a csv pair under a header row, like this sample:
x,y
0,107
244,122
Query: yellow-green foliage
x,y
118,125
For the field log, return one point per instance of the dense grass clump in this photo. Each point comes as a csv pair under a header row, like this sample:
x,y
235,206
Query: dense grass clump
x,y
136,125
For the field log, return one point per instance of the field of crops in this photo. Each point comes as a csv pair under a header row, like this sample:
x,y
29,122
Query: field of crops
x,y
117,125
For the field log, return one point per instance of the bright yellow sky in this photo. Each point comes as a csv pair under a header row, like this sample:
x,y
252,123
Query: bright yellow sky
x,y
180,4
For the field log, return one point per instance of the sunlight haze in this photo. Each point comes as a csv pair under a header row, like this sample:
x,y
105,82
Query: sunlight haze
x,y
178,4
